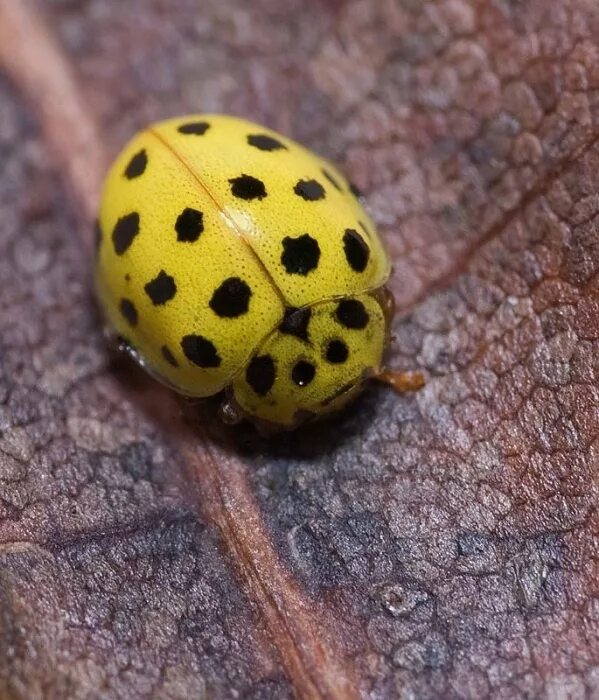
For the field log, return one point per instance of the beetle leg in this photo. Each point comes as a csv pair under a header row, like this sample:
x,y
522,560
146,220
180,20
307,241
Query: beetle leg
x,y
402,381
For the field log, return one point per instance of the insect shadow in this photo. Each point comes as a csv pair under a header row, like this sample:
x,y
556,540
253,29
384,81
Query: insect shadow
x,y
308,441
173,412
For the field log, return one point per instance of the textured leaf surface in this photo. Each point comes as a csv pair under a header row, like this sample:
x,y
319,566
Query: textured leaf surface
x,y
438,545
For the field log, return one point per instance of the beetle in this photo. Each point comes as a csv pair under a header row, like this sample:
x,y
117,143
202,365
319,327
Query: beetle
x,y
232,259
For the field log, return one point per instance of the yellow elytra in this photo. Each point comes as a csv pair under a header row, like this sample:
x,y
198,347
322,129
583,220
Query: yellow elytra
x,y
232,258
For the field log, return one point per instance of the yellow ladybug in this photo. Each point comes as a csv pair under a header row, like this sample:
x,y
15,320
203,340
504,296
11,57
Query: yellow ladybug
x,y
232,259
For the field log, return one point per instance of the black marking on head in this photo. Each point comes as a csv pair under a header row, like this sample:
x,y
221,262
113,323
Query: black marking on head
x,y
265,142
231,299
303,372
200,351
331,179
295,322
189,225
129,312
300,255
124,231
355,191
260,374
161,289
357,252
168,356
137,165
337,352
352,314
197,128
310,190
247,187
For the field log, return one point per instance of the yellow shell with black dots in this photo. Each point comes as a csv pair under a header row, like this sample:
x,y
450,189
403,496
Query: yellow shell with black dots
x,y
232,258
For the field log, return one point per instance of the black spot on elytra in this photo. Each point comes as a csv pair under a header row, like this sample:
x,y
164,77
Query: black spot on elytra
x,y
295,322
260,374
197,128
356,250
265,142
303,372
137,165
337,352
300,255
310,190
129,312
161,289
331,179
247,187
231,299
200,351
189,225
168,356
124,231
352,314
